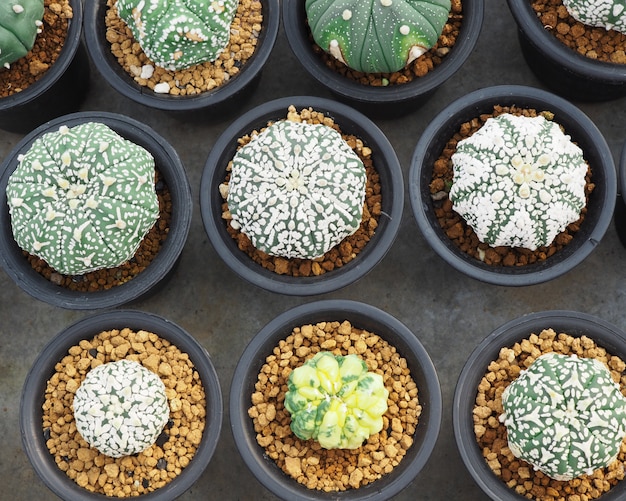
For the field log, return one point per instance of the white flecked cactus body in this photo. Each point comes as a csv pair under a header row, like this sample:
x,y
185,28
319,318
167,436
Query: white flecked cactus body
x,y
608,14
565,415
120,408
518,181
296,190
82,198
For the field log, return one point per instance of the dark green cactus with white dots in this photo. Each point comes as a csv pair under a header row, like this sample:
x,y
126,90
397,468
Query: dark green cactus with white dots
x,y
376,36
20,21
607,14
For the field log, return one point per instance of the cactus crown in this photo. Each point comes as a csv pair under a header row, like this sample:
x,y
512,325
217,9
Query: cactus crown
x,y
375,36
176,34
565,415
120,408
82,198
296,190
607,14
20,21
334,399
518,181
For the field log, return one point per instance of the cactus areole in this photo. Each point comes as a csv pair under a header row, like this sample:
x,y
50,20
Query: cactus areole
x,y
120,408
296,190
518,181
20,22
177,34
607,14
376,36
334,399
565,416
82,198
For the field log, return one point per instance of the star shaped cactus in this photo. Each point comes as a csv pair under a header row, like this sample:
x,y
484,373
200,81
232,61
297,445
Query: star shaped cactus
x,y
177,34
82,198
335,400
518,181
608,14
565,415
120,408
20,22
375,36
296,190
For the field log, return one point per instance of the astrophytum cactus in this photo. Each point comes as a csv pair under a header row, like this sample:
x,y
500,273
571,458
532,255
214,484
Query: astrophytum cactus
x,y
296,190
120,408
177,34
20,22
518,181
334,400
82,198
565,416
607,14
375,36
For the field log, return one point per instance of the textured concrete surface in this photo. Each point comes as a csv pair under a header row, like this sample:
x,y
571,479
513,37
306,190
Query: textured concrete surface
x,y
449,312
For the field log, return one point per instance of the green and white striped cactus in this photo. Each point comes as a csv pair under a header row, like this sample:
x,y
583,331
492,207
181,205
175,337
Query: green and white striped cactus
x,y
376,35
334,399
82,198
296,190
608,14
565,415
177,34
120,408
20,22
518,181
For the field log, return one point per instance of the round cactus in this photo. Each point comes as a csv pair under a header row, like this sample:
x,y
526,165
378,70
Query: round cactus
x,y
376,35
334,399
608,14
296,190
176,34
518,181
120,408
20,22
565,415
82,198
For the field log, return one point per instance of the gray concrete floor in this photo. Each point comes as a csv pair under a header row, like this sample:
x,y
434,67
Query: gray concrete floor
x,y
449,312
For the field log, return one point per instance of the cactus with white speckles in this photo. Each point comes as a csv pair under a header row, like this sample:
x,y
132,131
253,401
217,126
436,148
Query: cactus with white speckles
x,y
608,14
20,22
82,198
377,35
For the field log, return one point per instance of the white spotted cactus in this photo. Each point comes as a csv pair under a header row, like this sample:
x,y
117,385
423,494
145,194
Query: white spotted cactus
x,y
607,14
20,22
518,181
334,399
376,35
296,190
565,416
82,198
120,408
177,34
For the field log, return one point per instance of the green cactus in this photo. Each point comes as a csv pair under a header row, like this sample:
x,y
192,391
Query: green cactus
x,y
177,34
296,190
20,22
518,181
565,415
120,408
608,14
375,36
82,198
334,399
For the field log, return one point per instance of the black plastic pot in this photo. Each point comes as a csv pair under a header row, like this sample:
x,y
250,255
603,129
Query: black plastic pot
x,y
381,102
573,323
385,162
620,206
582,131
31,415
167,162
60,90
560,68
214,103
362,316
